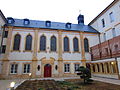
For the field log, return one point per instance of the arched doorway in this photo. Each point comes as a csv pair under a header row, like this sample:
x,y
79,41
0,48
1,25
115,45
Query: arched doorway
x,y
47,70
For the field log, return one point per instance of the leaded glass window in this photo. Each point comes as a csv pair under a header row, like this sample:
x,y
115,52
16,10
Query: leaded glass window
x,y
75,44
17,42
42,43
86,45
66,44
53,43
28,45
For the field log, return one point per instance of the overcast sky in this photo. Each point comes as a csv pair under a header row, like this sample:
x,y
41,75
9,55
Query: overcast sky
x,y
53,10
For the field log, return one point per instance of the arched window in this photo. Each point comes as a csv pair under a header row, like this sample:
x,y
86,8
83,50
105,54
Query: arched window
x,y
66,44
28,44
86,45
75,44
16,45
43,43
53,43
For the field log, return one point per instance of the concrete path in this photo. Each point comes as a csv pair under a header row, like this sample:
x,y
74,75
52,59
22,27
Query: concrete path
x,y
5,84
107,80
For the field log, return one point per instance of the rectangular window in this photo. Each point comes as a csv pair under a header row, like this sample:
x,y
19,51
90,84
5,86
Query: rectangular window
x,y
104,36
26,68
66,67
103,23
5,34
3,48
106,50
116,48
14,68
111,17
113,32
76,66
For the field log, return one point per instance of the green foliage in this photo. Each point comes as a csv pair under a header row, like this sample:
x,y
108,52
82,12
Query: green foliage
x,y
69,85
40,89
84,74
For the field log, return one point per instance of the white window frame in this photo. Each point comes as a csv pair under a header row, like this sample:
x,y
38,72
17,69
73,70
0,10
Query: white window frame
x,y
113,32
67,68
103,22
26,68
104,36
111,15
14,68
76,66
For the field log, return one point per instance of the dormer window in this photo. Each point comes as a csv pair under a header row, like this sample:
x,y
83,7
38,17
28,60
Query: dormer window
x,y
26,21
10,20
68,25
48,23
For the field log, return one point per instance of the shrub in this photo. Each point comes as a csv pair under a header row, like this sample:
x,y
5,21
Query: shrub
x,y
84,74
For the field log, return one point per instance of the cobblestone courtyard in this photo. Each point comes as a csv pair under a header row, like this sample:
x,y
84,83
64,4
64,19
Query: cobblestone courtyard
x,y
74,84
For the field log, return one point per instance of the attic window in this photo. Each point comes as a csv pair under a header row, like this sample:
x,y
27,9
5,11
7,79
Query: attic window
x,y
26,21
68,25
48,23
10,20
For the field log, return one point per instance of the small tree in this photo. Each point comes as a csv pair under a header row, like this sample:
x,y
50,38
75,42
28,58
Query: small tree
x,y
84,74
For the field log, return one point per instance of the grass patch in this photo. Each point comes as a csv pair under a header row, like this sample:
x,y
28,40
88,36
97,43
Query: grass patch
x,y
68,85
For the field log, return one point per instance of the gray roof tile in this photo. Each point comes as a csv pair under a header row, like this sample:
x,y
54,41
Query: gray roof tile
x,y
54,25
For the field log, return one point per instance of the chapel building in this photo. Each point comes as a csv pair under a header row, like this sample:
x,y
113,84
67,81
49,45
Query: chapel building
x,y
56,49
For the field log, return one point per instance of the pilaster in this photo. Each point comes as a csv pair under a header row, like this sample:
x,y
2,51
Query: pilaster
x,y
60,44
35,44
91,67
34,60
60,59
110,69
82,50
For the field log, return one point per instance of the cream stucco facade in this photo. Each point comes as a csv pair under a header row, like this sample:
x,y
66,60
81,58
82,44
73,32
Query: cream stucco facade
x,y
57,58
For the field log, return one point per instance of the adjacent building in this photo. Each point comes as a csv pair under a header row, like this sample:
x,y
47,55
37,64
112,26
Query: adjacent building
x,y
3,21
106,54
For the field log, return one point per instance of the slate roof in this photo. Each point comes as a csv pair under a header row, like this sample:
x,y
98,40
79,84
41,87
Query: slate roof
x,y
54,25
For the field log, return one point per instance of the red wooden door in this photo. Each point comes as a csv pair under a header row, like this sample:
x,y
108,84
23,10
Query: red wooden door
x,y
47,70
